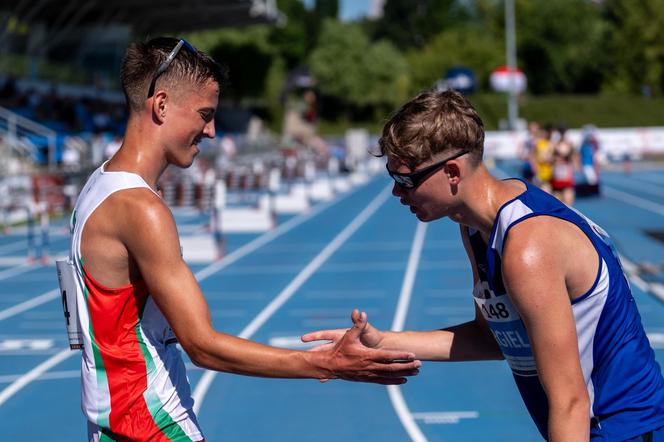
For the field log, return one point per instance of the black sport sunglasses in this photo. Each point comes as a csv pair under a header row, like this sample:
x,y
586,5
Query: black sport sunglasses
x,y
166,63
414,179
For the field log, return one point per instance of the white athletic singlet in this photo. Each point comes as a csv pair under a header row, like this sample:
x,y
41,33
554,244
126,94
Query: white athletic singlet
x,y
133,380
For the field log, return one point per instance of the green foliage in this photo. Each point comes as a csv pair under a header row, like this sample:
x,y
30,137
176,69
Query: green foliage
x,y
559,45
574,110
410,24
469,46
274,84
368,69
354,71
326,8
292,41
635,42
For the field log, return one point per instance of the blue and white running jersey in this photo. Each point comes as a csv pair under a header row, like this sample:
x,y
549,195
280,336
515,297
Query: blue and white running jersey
x,y
624,382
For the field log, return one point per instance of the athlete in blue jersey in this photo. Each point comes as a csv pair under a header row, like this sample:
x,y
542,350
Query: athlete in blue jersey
x,y
550,294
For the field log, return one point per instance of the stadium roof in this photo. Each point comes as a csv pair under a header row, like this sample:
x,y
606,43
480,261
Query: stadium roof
x,y
144,16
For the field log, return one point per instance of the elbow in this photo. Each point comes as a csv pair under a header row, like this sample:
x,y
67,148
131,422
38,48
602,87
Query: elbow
x,y
575,407
197,358
197,352
196,355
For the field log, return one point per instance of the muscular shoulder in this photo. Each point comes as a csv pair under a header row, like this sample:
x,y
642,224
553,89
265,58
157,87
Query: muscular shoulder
x,y
541,242
139,213
147,227
546,248
138,208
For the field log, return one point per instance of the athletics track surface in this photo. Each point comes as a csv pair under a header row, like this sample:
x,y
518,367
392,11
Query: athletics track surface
x,y
361,250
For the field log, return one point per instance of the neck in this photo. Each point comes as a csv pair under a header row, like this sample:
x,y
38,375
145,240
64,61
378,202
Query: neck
x,y
141,153
483,197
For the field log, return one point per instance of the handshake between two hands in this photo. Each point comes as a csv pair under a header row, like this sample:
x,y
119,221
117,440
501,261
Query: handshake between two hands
x,y
355,354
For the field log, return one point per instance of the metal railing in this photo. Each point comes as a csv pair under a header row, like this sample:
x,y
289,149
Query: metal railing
x,y
18,130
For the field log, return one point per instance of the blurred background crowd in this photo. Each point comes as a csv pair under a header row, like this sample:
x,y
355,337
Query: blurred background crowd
x,y
317,78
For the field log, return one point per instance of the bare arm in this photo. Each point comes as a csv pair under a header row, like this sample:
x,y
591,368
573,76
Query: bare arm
x,y
153,243
464,342
535,264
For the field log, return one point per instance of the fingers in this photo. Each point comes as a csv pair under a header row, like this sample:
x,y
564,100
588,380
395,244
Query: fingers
x,y
323,335
388,356
379,380
399,374
395,367
359,324
355,316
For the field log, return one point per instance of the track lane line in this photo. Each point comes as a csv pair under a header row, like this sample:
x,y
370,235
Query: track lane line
x,y
208,376
206,272
394,391
33,374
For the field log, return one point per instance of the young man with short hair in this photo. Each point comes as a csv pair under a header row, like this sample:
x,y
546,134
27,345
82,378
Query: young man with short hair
x,y
551,297
137,296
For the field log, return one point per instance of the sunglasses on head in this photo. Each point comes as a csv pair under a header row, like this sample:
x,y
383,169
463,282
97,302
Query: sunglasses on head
x,y
166,63
414,179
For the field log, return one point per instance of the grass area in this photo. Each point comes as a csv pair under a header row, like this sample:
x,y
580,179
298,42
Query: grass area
x,y
572,110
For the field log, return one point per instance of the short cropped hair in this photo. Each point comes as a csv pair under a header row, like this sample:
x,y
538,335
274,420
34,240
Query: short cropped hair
x,y
431,123
142,60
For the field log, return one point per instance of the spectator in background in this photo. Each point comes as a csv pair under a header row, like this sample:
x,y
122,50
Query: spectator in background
x,y
543,159
564,164
527,151
589,151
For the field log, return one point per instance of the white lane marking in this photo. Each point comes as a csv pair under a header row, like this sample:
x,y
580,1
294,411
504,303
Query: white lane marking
x,y
22,268
62,374
202,274
445,417
650,189
206,380
14,246
33,374
633,200
30,303
23,344
394,391
12,261
267,237
13,271
632,272
650,179
66,374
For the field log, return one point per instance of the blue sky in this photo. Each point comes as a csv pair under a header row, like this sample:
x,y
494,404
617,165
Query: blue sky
x,y
349,9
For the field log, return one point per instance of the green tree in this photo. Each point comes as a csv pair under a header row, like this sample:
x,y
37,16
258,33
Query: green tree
x,y
409,24
470,46
635,42
326,9
246,53
292,40
355,72
559,45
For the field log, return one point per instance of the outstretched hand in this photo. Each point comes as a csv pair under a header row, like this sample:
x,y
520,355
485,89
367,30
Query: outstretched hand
x,y
353,355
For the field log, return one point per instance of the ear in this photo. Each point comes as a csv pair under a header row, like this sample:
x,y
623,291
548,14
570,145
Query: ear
x,y
159,107
453,172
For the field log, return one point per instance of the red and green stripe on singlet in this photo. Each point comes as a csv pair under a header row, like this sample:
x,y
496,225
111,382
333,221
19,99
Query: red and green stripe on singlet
x,y
136,411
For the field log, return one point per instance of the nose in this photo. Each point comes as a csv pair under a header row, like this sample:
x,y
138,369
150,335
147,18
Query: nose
x,y
397,190
209,130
